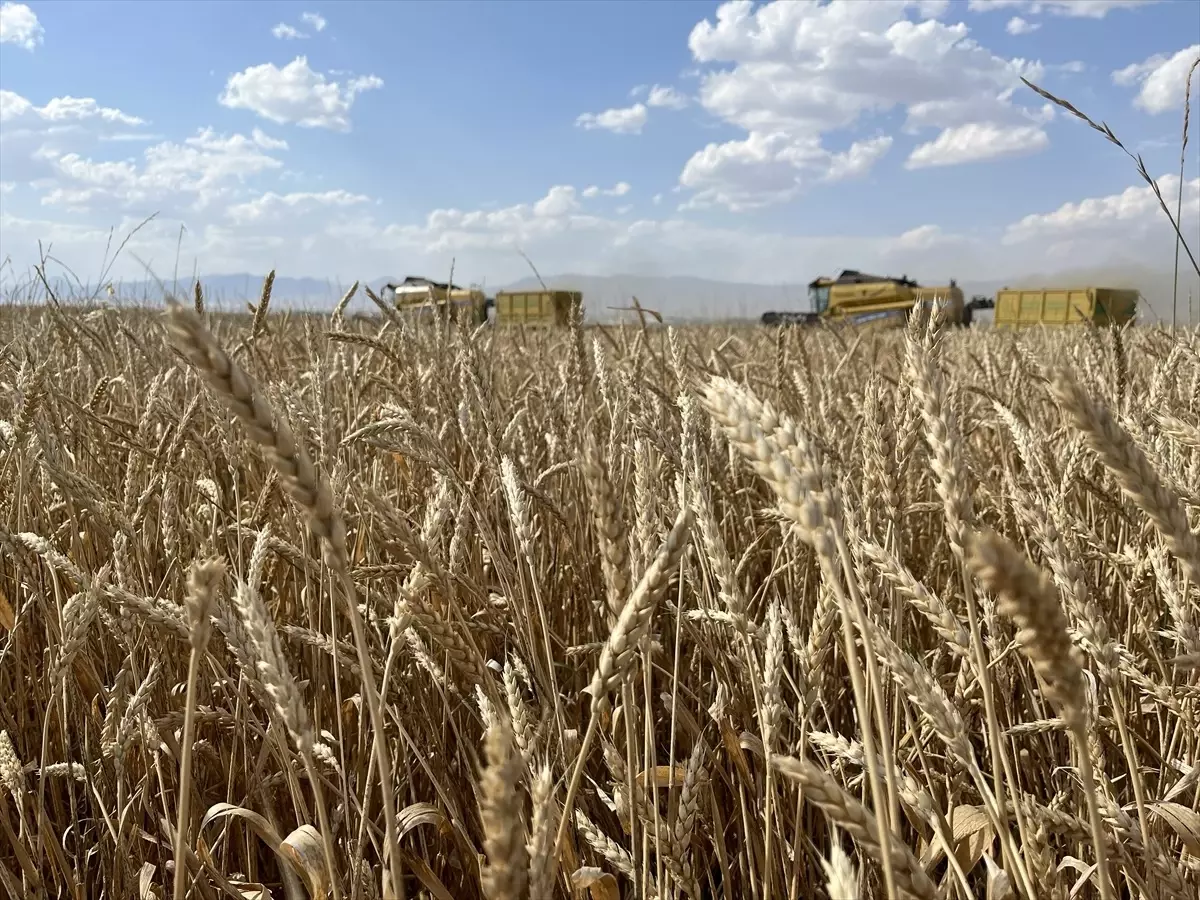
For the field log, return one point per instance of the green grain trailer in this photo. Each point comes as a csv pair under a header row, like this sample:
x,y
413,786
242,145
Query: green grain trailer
x,y
547,308
1065,306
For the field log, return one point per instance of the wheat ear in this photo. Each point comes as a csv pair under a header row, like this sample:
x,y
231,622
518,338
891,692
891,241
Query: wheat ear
x,y
1029,597
202,585
312,492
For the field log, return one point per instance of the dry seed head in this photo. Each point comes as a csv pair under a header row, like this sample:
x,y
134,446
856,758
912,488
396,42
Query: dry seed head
x,y
846,812
1128,463
506,871
841,875
203,579
633,625
250,406
541,835
11,775
272,666
1030,599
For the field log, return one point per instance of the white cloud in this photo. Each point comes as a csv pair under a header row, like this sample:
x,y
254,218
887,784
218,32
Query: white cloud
x,y
19,25
666,97
204,167
61,109
286,32
1078,9
765,169
794,72
928,237
13,105
1016,25
7,187
631,119
627,120
858,159
1162,79
620,189
295,94
1110,221
271,205
976,143
130,137
554,217
558,201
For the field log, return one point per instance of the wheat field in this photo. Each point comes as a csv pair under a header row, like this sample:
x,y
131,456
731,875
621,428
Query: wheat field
x,y
317,607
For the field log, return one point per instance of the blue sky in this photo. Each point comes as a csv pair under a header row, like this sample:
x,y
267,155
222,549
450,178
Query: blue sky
x,y
744,141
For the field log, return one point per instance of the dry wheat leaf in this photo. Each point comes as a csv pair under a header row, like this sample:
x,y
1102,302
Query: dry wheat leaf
x,y
252,890
664,776
306,849
266,832
1085,871
147,889
972,834
999,885
1183,820
418,814
752,743
8,619
600,884
232,889
426,876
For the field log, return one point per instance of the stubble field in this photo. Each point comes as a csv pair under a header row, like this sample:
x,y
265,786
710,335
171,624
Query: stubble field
x,y
621,612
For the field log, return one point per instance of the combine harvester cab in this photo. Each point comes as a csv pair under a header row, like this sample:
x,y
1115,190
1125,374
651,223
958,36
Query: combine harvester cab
x,y
426,300
873,301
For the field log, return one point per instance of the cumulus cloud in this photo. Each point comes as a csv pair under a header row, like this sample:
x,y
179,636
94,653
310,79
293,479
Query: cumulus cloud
x,y
1017,26
858,159
790,73
286,32
556,217
626,120
976,142
1162,79
203,168
270,206
1131,215
620,189
296,94
19,25
769,168
666,97
632,119
1078,9
14,107
1126,226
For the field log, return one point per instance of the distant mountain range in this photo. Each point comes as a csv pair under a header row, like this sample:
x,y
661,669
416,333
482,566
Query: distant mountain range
x,y
677,298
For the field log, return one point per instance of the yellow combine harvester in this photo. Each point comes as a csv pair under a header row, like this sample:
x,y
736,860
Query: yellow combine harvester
x,y
422,298
876,300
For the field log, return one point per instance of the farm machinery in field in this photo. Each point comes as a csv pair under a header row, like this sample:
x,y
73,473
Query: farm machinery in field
x,y
856,298
420,297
